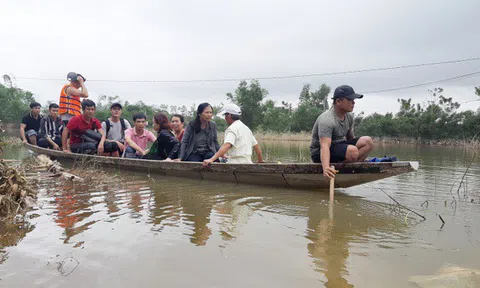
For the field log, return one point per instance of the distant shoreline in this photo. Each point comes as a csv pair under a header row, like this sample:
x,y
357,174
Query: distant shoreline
x,y
306,137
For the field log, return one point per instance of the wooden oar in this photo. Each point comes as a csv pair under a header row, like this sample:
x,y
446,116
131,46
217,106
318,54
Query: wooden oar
x,y
332,185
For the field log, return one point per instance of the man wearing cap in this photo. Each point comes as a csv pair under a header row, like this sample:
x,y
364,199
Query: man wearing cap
x,y
333,139
115,126
70,104
239,140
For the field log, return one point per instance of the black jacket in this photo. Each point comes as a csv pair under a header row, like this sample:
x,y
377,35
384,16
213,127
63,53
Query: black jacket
x,y
168,145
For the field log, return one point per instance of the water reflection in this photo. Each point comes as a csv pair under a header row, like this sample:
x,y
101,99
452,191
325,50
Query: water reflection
x,y
133,214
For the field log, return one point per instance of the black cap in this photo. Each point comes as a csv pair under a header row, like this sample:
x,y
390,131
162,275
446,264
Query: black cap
x,y
345,91
72,77
116,104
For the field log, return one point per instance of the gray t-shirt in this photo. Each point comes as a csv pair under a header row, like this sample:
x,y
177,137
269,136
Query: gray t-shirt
x,y
329,125
115,132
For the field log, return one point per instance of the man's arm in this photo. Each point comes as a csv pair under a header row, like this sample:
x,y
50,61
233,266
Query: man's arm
x,y
325,144
22,132
64,139
102,142
222,151
134,145
72,91
258,151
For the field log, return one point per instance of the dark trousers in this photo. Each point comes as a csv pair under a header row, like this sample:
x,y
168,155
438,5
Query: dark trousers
x,y
91,147
199,157
42,142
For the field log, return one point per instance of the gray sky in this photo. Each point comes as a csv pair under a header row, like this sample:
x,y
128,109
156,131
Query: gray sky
x,y
184,40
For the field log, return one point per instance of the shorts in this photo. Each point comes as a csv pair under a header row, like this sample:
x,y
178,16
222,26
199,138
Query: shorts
x,y
30,133
338,151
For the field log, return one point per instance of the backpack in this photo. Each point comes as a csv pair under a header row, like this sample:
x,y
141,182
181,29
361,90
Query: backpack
x,y
122,122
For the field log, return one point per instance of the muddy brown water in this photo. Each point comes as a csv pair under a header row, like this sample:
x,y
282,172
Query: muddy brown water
x,y
136,231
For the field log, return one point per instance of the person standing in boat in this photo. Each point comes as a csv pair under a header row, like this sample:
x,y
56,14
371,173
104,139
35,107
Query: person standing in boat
x,y
200,138
78,126
177,122
167,146
70,97
31,124
239,140
115,126
137,138
51,128
333,139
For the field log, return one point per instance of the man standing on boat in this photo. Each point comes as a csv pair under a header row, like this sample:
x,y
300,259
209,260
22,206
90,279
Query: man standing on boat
x,y
333,139
70,104
239,140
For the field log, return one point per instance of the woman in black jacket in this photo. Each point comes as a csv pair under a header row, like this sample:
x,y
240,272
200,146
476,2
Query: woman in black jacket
x,y
199,141
166,147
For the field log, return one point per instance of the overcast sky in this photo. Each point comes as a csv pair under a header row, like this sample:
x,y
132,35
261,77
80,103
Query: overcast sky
x,y
185,40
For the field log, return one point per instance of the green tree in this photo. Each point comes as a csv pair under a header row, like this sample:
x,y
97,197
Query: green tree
x,y
277,119
311,105
14,104
317,98
250,98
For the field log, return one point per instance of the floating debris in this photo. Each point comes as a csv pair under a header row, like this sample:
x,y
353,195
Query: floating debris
x,y
15,194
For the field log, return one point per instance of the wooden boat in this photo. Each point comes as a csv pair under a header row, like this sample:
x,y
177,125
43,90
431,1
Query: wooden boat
x,y
297,175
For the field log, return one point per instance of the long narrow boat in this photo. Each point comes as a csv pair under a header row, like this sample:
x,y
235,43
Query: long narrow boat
x,y
298,175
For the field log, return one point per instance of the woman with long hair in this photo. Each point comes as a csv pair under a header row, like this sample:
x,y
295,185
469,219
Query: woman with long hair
x,y
167,146
200,137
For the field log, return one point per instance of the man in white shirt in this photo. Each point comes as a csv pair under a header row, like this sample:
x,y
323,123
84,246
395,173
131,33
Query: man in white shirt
x,y
239,140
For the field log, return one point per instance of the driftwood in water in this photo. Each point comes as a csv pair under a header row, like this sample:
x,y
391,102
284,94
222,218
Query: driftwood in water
x,y
54,167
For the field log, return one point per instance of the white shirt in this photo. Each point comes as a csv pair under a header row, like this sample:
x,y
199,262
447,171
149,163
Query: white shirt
x,y
242,140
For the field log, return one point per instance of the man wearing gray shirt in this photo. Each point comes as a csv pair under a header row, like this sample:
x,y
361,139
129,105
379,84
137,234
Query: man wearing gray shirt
x,y
115,126
333,139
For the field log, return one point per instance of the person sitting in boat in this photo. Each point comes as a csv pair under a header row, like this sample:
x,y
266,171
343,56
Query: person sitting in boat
x,y
115,126
200,138
70,96
31,124
167,146
86,133
333,139
137,137
51,128
239,140
177,122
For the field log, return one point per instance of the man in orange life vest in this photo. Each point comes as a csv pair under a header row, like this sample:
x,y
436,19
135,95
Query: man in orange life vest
x,y
70,104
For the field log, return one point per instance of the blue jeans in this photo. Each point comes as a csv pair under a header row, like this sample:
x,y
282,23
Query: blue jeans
x,y
131,153
199,158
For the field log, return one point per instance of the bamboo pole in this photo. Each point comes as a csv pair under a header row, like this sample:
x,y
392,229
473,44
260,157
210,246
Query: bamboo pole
x,y
332,186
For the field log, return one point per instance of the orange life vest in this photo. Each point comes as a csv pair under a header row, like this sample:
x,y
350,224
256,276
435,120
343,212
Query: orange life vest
x,y
69,104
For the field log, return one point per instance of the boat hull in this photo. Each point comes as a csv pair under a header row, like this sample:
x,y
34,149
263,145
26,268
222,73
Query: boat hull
x,y
296,175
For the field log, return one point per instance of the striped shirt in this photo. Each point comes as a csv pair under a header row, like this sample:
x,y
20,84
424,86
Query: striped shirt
x,y
50,128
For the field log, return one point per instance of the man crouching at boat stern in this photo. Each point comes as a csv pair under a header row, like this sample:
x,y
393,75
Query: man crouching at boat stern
x,y
333,139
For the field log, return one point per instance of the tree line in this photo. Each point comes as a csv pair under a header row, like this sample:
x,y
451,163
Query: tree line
x,y
436,119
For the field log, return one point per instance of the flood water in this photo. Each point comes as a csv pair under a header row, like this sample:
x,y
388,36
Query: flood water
x,y
131,230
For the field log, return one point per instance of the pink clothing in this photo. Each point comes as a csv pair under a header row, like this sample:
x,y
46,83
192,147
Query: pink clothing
x,y
140,140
